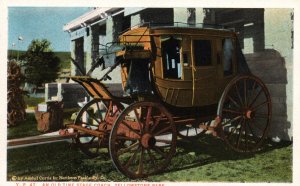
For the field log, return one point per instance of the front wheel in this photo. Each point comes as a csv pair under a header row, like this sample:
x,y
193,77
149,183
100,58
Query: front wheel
x,y
245,113
143,140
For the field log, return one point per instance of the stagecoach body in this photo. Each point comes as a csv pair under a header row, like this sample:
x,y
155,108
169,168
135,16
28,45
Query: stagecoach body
x,y
190,67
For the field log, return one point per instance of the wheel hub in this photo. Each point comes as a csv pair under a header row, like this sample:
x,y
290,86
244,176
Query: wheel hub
x,y
148,140
249,114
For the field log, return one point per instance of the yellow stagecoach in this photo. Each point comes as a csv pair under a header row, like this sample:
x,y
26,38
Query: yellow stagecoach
x,y
177,82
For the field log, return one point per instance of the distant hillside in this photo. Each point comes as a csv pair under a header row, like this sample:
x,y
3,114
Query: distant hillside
x,y
13,54
63,56
65,59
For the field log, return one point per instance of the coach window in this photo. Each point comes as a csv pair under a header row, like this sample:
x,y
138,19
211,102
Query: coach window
x,y
202,52
170,47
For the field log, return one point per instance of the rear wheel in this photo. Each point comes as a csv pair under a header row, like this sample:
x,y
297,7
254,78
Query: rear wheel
x,y
96,115
245,113
143,140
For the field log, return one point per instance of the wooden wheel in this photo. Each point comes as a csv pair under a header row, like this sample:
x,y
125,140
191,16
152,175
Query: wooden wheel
x,y
97,115
245,113
143,140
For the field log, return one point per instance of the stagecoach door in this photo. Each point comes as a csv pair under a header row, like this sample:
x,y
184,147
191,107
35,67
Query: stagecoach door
x,y
204,71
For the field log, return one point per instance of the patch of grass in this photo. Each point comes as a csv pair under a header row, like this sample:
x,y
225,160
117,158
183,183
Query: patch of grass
x,y
29,126
214,163
32,102
205,160
61,161
24,129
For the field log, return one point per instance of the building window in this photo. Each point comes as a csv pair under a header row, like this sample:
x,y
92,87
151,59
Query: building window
x,y
202,52
171,57
79,55
126,24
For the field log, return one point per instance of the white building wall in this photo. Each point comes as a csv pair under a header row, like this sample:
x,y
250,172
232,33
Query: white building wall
x,y
109,59
73,68
180,15
200,15
278,36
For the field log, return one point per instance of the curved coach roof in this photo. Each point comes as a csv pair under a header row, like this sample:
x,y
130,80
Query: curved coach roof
x,y
180,28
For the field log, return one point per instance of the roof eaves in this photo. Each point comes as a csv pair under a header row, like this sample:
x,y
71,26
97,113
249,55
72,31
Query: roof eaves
x,y
97,13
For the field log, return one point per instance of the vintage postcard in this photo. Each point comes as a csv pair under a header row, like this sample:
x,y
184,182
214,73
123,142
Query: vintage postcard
x,y
149,93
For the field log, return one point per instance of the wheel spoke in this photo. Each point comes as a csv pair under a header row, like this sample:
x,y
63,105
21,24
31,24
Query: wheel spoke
x,y
93,116
108,108
149,112
235,127
151,157
99,112
138,119
248,123
238,93
116,111
246,136
261,115
232,111
128,149
141,163
232,120
126,138
133,157
130,128
91,141
156,122
159,151
251,131
245,91
196,131
257,107
234,102
240,134
256,126
253,89
162,131
255,98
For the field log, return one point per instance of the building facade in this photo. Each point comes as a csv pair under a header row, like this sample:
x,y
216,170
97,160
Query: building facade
x,y
265,35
